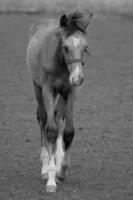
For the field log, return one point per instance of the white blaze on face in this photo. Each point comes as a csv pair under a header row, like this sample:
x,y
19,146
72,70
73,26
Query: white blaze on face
x,y
77,71
76,41
76,74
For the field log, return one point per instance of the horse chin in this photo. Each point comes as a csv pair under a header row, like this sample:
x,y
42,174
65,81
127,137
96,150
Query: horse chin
x,y
77,83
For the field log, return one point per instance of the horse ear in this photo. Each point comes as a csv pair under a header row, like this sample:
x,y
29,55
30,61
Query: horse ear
x,y
63,21
85,21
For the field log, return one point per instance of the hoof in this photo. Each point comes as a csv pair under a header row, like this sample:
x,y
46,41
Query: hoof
x,y
60,179
51,188
61,176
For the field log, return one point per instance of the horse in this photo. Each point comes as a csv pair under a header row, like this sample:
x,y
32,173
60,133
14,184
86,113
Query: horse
x,y
55,60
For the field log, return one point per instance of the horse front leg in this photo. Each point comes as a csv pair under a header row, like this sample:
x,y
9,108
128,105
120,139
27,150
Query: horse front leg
x,y
59,154
68,132
51,133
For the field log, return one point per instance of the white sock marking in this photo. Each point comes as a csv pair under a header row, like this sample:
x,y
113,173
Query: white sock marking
x,y
45,161
59,154
51,172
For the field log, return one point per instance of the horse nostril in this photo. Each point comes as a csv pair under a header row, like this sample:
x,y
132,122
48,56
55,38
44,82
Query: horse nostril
x,y
77,81
72,79
81,80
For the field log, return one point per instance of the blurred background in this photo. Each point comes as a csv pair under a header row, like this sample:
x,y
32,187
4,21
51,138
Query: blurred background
x,y
115,6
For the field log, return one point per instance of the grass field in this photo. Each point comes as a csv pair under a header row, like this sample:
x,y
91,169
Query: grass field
x,y
102,152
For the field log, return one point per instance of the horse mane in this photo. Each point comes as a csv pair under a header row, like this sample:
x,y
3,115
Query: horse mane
x,y
74,23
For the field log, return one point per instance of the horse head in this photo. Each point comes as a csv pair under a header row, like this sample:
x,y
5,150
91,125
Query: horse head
x,y
74,43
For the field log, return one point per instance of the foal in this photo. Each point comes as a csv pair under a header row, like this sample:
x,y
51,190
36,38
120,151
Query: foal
x,y
55,59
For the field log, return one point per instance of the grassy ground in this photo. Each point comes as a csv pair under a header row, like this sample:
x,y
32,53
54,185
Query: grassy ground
x,y
102,152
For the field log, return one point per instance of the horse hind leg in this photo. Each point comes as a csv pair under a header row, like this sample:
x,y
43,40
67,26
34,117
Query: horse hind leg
x,y
42,119
44,156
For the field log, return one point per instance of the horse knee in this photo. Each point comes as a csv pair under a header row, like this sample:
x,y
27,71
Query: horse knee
x,y
68,138
51,134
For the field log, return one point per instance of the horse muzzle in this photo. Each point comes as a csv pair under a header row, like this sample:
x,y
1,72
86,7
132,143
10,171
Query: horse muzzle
x,y
76,75
76,81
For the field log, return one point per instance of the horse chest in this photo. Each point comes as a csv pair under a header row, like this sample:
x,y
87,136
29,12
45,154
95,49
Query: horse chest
x,y
61,86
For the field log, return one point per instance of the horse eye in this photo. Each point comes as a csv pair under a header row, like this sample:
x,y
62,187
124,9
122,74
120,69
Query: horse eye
x,y
66,49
